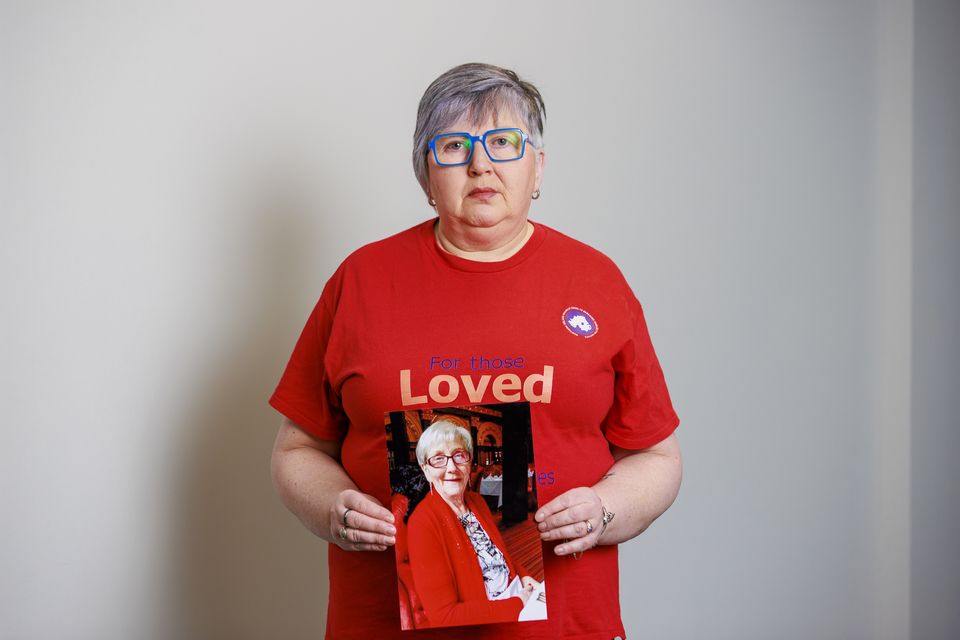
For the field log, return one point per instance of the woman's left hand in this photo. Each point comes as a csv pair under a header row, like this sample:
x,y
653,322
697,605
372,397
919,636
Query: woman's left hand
x,y
574,516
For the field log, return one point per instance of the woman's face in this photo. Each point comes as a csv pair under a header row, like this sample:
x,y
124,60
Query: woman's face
x,y
451,479
483,194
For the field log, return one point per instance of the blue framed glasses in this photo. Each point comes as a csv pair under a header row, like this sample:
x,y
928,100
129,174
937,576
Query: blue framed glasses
x,y
501,145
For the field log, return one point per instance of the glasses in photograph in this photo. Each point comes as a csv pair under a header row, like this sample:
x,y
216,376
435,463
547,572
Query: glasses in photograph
x,y
501,145
439,461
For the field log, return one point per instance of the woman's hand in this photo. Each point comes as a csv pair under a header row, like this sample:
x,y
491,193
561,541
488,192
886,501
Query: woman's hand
x,y
574,516
360,523
640,486
527,591
312,483
527,581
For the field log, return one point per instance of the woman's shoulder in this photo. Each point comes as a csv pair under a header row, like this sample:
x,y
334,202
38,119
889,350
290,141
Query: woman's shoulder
x,y
374,260
578,251
393,246
473,498
578,257
425,512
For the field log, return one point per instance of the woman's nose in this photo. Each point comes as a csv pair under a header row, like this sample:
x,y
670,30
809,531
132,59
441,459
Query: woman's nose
x,y
479,161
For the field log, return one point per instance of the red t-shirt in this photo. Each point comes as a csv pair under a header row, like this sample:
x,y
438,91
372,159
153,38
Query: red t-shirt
x,y
404,325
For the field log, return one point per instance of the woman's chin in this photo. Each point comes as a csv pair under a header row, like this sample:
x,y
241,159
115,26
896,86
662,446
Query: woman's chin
x,y
452,490
483,216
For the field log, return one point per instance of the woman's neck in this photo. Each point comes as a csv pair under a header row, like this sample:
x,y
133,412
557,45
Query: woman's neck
x,y
456,503
480,249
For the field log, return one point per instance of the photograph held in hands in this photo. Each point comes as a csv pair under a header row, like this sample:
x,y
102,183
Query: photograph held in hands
x,y
463,488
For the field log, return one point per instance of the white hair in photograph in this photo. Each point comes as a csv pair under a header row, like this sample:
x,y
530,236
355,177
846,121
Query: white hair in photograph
x,y
440,432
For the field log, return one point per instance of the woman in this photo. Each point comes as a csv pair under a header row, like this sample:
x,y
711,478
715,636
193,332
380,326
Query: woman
x,y
461,568
562,316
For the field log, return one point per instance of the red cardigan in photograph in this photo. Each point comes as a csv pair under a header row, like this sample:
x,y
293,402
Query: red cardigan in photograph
x,y
445,568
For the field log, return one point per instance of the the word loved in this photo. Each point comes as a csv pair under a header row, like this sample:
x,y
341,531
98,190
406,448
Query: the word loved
x,y
506,387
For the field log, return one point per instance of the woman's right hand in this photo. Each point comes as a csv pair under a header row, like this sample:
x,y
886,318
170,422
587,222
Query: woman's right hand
x,y
526,593
359,522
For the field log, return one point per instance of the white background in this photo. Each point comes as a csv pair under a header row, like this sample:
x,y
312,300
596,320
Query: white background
x,y
776,179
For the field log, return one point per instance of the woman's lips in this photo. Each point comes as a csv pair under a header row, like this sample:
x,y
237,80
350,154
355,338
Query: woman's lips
x,y
482,194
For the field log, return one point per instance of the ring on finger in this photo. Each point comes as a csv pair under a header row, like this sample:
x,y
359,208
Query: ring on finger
x,y
345,515
342,533
576,554
589,526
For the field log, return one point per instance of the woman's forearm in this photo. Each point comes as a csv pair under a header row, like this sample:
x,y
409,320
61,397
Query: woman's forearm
x,y
308,480
638,488
311,483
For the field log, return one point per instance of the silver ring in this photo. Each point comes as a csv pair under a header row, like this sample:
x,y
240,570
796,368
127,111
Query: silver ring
x,y
589,526
342,533
345,516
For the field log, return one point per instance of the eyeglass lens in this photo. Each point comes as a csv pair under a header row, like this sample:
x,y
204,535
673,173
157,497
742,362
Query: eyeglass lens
x,y
501,145
440,461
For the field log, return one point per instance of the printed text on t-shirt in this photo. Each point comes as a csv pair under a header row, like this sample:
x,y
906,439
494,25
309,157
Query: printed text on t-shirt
x,y
504,387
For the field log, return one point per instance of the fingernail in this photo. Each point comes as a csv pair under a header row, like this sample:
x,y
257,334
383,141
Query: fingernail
x,y
542,526
560,550
392,540
538,517
392,531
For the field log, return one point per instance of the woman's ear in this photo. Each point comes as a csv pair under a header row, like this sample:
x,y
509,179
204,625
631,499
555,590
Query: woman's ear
x,y
540,160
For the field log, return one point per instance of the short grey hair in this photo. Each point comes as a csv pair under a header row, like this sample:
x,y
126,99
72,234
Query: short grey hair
x,y
438,432
476,91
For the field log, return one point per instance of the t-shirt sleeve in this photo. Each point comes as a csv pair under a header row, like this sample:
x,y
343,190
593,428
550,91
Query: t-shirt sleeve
x,y
642,414
305,394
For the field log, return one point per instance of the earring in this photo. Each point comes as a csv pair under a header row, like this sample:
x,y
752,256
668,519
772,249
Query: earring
x,y
431,202
535,195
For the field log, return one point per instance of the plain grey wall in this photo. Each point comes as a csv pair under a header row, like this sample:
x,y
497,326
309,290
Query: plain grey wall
x,y
935,560
179,180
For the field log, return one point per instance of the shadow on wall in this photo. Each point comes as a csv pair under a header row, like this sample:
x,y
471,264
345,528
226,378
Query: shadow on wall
x,y
242,566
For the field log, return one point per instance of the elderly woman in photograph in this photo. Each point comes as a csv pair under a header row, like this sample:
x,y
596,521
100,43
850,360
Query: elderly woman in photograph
x,y
418,319
461,568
